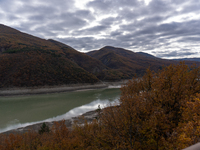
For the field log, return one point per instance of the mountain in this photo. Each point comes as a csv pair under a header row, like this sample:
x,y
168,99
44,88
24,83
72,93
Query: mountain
x,y
26,60
188,59
146,54
88,63
126,62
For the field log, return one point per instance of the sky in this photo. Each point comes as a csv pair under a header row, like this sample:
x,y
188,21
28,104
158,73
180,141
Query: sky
x,y
164,28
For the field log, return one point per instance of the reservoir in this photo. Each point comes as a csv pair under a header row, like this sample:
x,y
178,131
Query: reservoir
x,y
20,111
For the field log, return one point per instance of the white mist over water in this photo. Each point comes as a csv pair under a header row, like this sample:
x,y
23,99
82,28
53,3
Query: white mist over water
x,y
72,113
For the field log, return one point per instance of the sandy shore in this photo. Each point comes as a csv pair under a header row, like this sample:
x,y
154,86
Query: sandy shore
x,y
57,89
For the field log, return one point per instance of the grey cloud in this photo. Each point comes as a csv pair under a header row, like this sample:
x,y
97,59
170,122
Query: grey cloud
x,y
159,6
84,43
193,6
109,21
38,18
69,20
174,54
131,14
182,29
146,24
42,30
100,5
105,6
141,26
97,28
91,31
63,23
55,27
84,14
32,10
116,33
154,19
170,27
185,50
179,2
190,39
162,33
148,33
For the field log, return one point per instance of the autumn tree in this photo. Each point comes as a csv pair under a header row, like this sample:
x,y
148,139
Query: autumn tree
x,y
44,128
160,111
155,108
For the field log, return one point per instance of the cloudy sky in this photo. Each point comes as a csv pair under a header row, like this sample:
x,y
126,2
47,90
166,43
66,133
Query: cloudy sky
x,y
164,28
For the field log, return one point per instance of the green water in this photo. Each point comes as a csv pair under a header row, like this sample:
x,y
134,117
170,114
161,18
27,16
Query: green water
x,y
33,108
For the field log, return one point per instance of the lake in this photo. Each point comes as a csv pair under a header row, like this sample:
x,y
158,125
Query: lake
x,y
20,111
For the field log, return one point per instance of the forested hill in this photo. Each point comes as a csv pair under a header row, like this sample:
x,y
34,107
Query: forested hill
x,y
27,61
130,63
188,59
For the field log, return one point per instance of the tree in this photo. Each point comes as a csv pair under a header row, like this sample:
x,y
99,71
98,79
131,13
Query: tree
x,y
155,108
158,111
44,128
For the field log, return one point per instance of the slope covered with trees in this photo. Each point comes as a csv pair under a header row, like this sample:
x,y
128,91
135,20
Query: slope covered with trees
x,y
127,62
35,68
88,63
158,111
27,61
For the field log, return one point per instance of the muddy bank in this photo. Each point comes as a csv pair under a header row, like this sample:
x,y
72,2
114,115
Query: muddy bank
x,y
57,89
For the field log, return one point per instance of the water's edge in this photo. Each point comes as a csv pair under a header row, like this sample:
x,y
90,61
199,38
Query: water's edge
x,y
57,89
89,116
69,117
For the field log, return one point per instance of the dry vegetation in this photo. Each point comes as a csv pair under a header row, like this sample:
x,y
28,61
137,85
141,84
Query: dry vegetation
x,y
160,111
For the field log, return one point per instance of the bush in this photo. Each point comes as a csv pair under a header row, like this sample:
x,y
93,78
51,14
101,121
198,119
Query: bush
x,y
158,111
44,128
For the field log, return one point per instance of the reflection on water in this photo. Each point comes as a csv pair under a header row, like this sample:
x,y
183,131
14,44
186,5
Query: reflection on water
x,y
22,111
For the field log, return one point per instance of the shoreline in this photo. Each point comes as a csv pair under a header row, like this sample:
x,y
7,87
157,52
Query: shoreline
x,y
57,89
80,119
89,116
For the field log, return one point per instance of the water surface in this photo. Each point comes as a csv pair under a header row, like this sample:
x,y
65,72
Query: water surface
x,y
19,111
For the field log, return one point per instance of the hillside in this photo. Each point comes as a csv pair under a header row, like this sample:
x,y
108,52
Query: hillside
x,y
188,59
127,62
88,63
26,60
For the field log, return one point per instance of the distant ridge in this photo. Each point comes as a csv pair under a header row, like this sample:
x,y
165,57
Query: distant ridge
x,y
188,59
29,61
126,62
146,54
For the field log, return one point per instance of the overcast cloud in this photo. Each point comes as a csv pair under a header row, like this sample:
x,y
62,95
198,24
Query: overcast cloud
x,y
164,28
